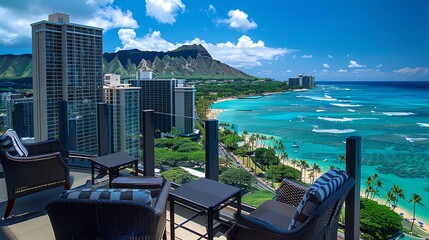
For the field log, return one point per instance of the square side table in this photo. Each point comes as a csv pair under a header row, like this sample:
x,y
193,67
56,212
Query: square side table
x,y
113,163
206,195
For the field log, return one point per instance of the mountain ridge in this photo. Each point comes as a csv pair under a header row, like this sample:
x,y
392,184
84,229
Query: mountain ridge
x,y
188,61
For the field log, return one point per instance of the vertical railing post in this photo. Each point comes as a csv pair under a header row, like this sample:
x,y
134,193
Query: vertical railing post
x,y
212,149
18,119
104,129
148,131
63,123
353,168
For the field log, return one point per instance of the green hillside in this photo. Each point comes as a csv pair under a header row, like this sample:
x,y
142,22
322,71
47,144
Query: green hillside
x,y
188,61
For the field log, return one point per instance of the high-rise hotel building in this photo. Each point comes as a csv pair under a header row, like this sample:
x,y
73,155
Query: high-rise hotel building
x,y
124,106
67,68
19,114
172,100
302,81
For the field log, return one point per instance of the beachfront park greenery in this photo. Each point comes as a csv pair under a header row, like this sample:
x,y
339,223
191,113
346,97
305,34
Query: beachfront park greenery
x,y
238,177
178,150
258,197
229,138
178,175
378,221
278,172
266,157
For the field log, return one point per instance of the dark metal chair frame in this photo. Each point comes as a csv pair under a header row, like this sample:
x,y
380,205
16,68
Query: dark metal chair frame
x,y
109,219
321,224
44,168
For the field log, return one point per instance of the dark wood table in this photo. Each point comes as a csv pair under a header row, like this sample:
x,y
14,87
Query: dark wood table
x,y
203,196
112,163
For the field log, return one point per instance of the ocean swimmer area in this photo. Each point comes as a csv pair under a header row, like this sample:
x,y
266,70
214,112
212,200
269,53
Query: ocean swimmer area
x,y
391,117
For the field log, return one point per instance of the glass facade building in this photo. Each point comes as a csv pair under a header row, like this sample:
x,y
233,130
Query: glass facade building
x,y
172,100
19,114
125,115
67,66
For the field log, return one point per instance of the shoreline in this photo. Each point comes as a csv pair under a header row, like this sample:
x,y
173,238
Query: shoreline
x,y
398,209
407,214
212,113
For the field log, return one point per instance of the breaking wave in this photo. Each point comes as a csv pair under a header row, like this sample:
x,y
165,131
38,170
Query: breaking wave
x,y
423,124
398,113
334,131
344,119
326,98
415,139
345,105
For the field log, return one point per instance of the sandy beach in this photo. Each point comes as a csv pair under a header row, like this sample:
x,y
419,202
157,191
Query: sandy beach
x,y
212,113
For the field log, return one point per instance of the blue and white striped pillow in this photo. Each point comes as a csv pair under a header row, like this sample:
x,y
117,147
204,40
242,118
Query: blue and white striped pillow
x,y
320,190
137,195
11,143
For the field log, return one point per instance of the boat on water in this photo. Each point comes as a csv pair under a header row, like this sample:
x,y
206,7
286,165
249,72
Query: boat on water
x,y
294,145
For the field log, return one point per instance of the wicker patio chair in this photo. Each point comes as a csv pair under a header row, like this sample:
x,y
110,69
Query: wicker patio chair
x,y
272,218
109,219
42,169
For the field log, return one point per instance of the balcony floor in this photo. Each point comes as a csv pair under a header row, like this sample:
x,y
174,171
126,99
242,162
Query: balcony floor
x,y
29,220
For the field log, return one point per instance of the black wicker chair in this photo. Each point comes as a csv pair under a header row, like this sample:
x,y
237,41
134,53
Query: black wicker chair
x,y
44,168
109,219
272,218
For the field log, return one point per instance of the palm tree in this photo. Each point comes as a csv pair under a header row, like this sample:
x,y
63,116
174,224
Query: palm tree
x,y
303,165
342,158
311,175
316,169
252,140
369,183
258,139
294,162
390,197
379,184
244,135
271,140
399,193
284,155
415,198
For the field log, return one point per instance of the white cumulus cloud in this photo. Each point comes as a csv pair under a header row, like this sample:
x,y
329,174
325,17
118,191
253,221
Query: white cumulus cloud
x,y
423,70
342,71
246,53
150,42
307,56
354,64
164,11
238,20
16,17
112,17
325,65
330,56
289,71
379,66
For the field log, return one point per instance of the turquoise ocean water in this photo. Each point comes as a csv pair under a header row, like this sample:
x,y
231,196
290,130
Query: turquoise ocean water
x,y
391,117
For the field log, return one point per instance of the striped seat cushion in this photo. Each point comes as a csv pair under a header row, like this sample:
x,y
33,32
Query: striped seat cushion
x,y
11,143
136,195
320,190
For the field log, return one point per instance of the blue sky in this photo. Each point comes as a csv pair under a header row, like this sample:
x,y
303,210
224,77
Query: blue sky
x,y
333,40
